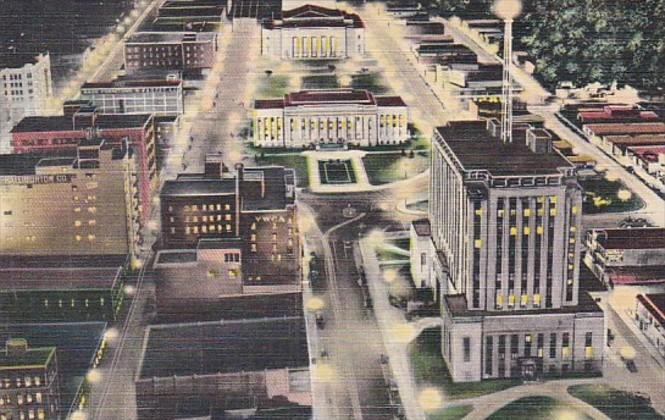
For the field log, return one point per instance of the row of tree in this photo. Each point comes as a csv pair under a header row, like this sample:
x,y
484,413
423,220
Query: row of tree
x,y
584,41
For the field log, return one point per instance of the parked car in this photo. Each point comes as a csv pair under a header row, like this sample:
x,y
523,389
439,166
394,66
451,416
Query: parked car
x,y
320,321
630,365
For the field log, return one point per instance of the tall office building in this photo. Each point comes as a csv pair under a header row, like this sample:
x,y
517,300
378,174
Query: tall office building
x,y
81,204
505,222
25,89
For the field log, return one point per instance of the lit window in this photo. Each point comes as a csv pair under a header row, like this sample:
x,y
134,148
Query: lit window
x,y
91,237
77,223
536,299
524,300
478,243
527,230
527,212
253,247
552,212
227,217
511,300
92,222
539,230
513,231
253,227
228,228
78,238
227,207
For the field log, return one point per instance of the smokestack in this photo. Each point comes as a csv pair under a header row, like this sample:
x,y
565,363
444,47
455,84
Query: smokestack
x,y
507,10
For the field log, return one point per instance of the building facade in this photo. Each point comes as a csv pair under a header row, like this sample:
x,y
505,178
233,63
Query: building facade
x,y
338,116
78,205
163,97
312,32
650,318
30,383
229,365
253,206
60,135
626,256
26,91
505,250
170,50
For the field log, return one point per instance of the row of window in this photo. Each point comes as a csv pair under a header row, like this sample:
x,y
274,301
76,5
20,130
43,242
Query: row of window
x,y
20,382
193,230
30,414
203,207
21,399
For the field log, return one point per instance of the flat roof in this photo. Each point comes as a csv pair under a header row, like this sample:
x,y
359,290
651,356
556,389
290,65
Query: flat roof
x,y
84,278
62,261
224,347
626,128
476,149
458,307
389,101
422,227
169,37
269,196
637,140
198,186
634,275
655,303
633,238
329,96
18,164
110,121
41,124
33,357
648,153
120,83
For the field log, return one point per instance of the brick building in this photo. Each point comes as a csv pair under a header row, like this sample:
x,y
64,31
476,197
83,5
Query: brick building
x,y
170,50
60,135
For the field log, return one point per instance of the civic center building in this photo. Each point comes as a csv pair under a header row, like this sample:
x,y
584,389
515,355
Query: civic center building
x,y
335,116
314,33
503,256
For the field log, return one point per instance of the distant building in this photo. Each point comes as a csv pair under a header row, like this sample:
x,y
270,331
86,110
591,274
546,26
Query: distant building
x,y
313,32
170,50
49,290
121,96
60,135
505,247
221,368
627,256
339,116
650,318
25,90
30,382
79,205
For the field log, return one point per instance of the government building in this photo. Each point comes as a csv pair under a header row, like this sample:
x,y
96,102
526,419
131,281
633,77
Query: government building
x,y
311,32
504,245
330,116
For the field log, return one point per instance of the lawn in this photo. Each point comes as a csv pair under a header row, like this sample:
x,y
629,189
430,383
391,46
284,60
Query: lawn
x,y
274,86
336,172
371,81
429,369
325,81
295,161
457,412
603,196
391,167
538,407
617,405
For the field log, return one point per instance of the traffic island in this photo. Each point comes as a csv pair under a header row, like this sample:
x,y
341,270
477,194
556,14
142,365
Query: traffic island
x,y
538,408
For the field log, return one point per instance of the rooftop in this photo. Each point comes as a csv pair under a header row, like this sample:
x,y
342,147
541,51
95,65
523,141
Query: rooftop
x,y
457,305
626,128
168,37
62,261
389,101
422,227
224,347
634,275
198,186
314,16
256,9
130,83
84,278
41,124
264,188
637,140
633,238
329,96
34,357
655,303
476,149
648,153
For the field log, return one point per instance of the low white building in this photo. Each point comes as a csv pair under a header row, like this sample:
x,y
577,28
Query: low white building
x,y
26,91
160,97
313,33
342,116
650,318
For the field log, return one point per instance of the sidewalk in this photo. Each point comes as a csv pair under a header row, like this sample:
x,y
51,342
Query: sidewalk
x,y
390,319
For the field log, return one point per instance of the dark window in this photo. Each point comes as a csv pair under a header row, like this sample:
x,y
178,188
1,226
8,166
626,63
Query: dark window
x,y
588,339
514,346
552,345
489,351
467,349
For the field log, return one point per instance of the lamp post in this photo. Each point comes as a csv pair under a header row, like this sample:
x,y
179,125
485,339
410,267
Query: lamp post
x,y
507,10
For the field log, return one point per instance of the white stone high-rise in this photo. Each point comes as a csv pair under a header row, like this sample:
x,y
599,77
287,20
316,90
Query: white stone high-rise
x,y
504,256
25,90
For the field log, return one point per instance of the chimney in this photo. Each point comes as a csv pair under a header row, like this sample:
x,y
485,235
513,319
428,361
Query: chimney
x,y
214,166
16,347
494,127
539,140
